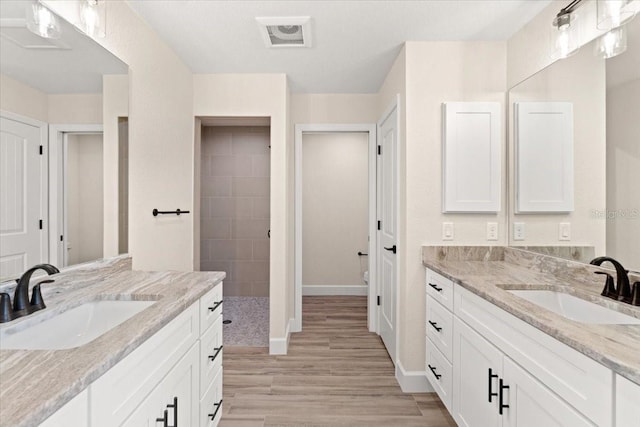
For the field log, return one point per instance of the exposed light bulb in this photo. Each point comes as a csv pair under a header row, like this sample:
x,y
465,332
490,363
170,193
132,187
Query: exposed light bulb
x,y
92,15
612,43
565,43
41,21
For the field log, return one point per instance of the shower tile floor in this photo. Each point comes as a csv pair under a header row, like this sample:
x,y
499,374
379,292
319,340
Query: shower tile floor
x,y
249,325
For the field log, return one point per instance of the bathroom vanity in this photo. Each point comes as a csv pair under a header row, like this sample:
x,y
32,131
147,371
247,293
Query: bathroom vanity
x,y
162,366
496,358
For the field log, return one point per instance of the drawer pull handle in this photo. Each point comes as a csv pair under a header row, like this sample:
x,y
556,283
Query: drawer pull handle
x,y
435,326
217,351
215,305
434,286
433,371
165,419
174,405
218,406
501,405
491,377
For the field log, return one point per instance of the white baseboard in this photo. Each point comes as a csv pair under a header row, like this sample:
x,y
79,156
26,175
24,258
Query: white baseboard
x,y
293,326
317,290
280,345
412,381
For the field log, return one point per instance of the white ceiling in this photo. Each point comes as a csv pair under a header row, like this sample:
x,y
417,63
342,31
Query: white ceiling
x,y
354,42
76,69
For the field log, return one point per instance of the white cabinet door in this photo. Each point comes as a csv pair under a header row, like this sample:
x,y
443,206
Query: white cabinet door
x,y
627,403
477,370
177,394
531,404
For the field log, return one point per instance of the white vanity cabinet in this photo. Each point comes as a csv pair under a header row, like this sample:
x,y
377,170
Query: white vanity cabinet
x,y
627,403
505,372
177,372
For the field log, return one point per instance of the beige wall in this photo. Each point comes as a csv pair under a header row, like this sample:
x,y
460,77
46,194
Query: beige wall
x,y
623,164
335,211
18,98
235,207
262,95
437,72
161,135
579,79
84,197
314,108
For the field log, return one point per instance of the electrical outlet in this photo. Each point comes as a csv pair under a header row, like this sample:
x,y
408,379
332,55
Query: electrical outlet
x,y
564,231
447,231
518,231
492,231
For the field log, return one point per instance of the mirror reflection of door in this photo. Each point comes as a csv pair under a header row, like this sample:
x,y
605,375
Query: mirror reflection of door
x,y
83,194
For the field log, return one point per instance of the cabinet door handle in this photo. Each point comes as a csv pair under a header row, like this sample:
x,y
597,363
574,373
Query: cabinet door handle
x,y
491,377
502,405
217,406
165,419
435,326
433,371
217,351
434,286
174,405
215,305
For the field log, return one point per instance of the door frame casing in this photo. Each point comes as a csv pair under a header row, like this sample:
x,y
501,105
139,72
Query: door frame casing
x,y
394,105
45,254
372,291
57,197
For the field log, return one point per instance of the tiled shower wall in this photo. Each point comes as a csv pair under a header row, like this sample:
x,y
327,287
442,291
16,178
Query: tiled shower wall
x,y
235,207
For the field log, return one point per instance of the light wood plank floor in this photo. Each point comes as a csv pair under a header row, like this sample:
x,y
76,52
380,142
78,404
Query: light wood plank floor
x,y
335,374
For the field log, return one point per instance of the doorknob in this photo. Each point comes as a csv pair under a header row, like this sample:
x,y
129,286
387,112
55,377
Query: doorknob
x,y
392,249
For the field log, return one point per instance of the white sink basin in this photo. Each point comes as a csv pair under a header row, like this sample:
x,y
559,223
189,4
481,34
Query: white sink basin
x,y
71,328
575,308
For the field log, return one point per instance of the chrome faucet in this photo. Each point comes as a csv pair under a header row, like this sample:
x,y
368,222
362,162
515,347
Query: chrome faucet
x,y
623,288
21,304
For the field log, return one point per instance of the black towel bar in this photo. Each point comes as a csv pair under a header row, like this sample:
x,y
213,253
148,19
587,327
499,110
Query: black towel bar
x,y
156,212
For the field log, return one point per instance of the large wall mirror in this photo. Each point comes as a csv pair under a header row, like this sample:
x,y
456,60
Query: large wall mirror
x,y
52,94
601,100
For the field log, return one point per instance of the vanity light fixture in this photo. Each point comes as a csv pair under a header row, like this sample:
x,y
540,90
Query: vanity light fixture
x,y
612,43
92,17
41,21
614,13
566,40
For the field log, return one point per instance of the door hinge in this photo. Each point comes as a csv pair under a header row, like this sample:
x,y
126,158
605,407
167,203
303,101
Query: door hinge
x,y
61,238
40,224
378,299
41,150
379,150
379,225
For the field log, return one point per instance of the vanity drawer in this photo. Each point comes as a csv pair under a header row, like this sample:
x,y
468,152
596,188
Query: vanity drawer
x,y
439,324
211,403
210,347
440,288
210,307
439,373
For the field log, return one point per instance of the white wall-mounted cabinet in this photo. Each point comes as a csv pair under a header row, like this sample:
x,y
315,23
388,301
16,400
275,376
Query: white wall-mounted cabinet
x,y
471,156
544,156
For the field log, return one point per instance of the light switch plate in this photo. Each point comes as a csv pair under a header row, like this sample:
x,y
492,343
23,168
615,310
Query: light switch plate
x,y
447,231
564,231
518,231
492,231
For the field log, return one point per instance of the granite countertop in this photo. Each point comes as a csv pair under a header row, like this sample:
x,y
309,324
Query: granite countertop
x,y
614,346
35,383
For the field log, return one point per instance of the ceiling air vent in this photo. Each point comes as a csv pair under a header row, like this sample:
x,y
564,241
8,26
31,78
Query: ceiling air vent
x,y
292,31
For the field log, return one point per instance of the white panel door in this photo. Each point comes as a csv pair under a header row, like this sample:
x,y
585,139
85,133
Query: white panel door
x,y
21,197
387,235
